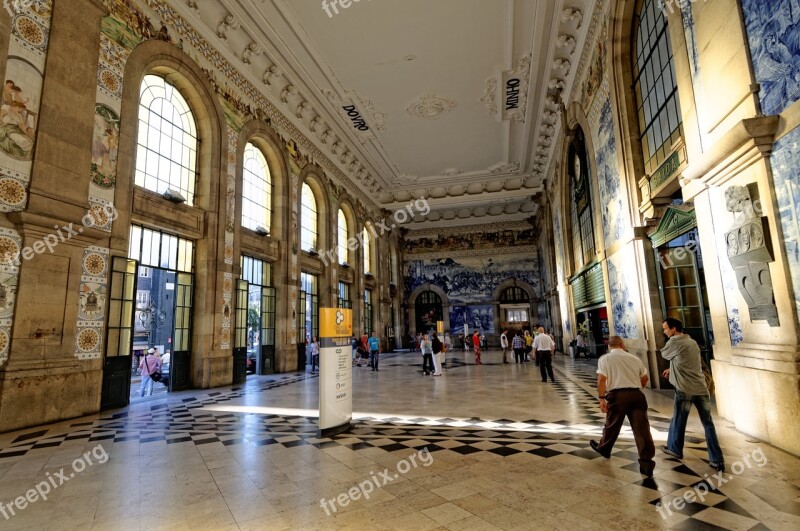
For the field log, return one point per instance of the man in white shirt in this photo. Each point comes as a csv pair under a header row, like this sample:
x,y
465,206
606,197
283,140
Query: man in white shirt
x,y
544,347
620,378
504,345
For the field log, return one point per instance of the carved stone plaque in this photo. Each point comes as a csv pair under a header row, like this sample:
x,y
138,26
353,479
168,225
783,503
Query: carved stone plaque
x,y
747,244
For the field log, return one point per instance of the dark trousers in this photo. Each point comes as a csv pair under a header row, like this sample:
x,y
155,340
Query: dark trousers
x,y
545,359
427,363
519,355
373,359
629,403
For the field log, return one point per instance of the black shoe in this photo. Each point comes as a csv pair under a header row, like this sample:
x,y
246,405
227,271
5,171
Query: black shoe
x,y
719,467
377,370
545,381
671,453
595,445
646,471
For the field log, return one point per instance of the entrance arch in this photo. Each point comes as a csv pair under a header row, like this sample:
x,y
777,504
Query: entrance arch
x,y
425,299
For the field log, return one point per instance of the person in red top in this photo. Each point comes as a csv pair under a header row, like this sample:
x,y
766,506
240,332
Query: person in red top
x,y
476,343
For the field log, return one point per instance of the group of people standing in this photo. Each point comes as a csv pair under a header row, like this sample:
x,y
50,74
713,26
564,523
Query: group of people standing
x,y
621,376
541,346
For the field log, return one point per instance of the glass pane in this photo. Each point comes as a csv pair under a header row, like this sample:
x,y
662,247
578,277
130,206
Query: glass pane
x,y
672,297
125,342
113,342
114,309
126,317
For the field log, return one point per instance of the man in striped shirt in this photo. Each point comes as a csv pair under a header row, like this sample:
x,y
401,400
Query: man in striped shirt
x,y
519,348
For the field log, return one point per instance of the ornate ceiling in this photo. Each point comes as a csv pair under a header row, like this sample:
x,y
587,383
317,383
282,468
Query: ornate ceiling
x,y
455,101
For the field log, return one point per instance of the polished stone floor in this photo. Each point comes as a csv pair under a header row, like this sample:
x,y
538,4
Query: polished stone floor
x,y
482,447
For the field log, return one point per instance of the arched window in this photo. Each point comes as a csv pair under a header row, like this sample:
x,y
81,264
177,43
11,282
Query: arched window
x,y
513,295
256,189
582,222
655,85
367,247
166,151
343,236
308,219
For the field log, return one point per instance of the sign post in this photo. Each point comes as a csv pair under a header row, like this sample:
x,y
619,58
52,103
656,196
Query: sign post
x,y
335,370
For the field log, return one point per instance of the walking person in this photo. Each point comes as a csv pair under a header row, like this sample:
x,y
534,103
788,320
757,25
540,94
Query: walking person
x,y
620,378
374,350
313,351
476,345
436,348
504,345
150,364
426,348
685,373
518,345
448,343
544,346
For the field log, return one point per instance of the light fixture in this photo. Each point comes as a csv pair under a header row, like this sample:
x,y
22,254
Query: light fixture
x,y
313,252
345,264
174,196
262,231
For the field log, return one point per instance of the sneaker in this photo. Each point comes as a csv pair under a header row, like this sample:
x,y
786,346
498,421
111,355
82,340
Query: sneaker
x,y
595,445
671,453
719,467
646,471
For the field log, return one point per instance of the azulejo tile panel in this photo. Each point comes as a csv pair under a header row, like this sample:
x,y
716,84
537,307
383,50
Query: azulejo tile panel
x,y
624,294
773,32
10,246
785,164
92,303
22,93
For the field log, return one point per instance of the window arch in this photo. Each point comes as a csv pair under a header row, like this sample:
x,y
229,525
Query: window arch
x,y
514,294
580,197
343,235
256,189
655,86
367,247
166,150
309,219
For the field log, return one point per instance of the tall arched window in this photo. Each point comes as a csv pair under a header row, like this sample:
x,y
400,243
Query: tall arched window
x,y
367,251
655,85
582,222
166,151
256,189
343,235
308,219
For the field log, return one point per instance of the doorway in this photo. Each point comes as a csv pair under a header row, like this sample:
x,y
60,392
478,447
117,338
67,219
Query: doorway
x,y
254,349
308,315
150,306
428,309
682,288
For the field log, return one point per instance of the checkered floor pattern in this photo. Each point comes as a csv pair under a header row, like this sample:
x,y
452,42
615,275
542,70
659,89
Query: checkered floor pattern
x,y
190,423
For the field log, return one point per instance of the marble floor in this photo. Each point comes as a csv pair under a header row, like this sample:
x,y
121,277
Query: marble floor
x,y
482,447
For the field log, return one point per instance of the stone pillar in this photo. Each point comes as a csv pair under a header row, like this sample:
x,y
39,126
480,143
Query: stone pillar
x,y
44,380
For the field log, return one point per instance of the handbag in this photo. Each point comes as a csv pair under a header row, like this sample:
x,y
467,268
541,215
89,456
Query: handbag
x,y
156,375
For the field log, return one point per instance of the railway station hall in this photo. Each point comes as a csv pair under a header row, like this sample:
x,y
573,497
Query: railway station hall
x,y
400,265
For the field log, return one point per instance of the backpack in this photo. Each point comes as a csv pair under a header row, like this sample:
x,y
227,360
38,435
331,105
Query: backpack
x,y
708,377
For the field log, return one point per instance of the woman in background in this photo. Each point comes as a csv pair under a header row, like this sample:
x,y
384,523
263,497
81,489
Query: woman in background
x,y
426,348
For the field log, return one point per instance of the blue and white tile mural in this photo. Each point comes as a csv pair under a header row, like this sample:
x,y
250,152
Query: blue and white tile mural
x,y
624,294
471,279
479,318
786,177
773,31
613,203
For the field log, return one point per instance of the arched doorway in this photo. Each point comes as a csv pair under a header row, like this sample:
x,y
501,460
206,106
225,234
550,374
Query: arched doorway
x,y
428,311
515,308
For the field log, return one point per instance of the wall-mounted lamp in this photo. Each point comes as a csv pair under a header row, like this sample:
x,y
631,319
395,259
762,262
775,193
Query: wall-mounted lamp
x,y
262,231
